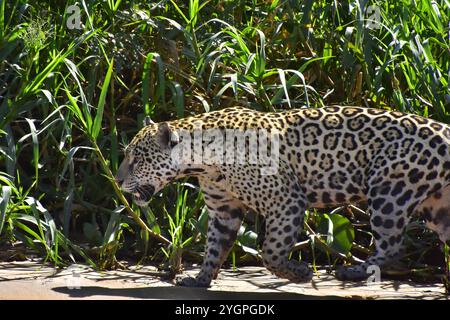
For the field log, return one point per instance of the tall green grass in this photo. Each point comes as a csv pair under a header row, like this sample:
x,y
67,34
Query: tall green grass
x,y
71,99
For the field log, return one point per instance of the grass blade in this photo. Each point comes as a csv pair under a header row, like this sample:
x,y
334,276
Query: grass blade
x,y
101,103
4,200
178,99
35,140
146,84
283,83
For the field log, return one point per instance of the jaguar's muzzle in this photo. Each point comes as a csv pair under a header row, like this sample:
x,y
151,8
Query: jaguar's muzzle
x,y
143,194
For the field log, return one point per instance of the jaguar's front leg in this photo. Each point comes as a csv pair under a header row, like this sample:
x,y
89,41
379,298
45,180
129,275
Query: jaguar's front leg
x,y
225,219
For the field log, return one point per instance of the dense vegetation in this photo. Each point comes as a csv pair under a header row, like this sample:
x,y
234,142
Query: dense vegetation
x,y
73,94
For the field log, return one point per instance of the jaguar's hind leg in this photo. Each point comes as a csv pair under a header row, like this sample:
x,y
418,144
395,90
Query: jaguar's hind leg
x,y
436,212
390,204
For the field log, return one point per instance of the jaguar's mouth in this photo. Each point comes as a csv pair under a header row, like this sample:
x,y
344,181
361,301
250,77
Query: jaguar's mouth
x,y
143,194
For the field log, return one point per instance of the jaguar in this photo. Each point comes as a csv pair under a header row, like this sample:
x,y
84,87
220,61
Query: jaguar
x,y
398,164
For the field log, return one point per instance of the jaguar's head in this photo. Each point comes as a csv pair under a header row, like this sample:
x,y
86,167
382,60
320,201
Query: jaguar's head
x,y
148,165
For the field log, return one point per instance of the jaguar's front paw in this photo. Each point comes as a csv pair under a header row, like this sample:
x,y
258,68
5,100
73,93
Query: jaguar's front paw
x,y
192,282
354,273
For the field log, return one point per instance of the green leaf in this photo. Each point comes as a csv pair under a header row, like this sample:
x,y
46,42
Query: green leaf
x,y
73,106
34,137
178,98
2,24
274,4
339,230
261,56
146,84
68,203
160,88
249,239
283,83
36,209
110,235
69,160
4,200
101,103
202,222
92,234
151,220
179,11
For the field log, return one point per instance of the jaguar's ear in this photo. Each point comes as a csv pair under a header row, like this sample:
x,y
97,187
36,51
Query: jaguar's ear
x,y
167,138
148,121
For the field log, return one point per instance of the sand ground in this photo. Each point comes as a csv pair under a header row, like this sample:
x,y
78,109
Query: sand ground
x,y
32,280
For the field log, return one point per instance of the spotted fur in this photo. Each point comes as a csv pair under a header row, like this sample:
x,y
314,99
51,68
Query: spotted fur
x,y
399,164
